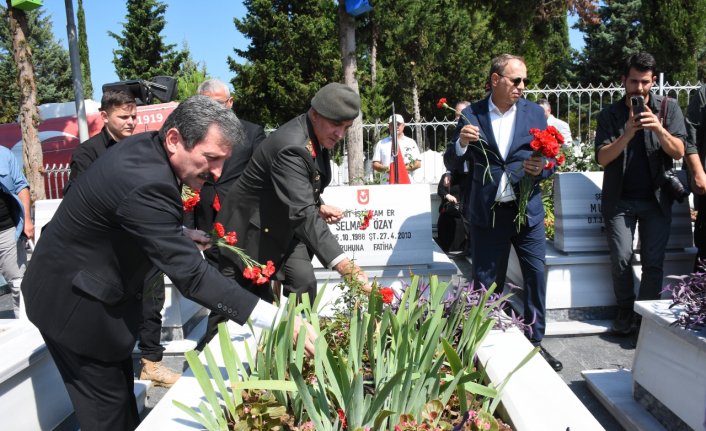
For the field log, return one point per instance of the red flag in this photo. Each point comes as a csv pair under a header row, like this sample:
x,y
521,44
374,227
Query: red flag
x,y
403,177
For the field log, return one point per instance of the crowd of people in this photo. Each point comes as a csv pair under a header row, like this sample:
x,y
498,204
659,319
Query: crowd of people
x,y
95,283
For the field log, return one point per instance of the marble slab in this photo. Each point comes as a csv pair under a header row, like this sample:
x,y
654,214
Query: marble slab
x,y
579,223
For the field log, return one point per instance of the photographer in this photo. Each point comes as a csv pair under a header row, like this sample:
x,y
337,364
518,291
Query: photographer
x,y
637,140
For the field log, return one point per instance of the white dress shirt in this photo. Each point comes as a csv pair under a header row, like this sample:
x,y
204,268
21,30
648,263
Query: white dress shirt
x,y
503,129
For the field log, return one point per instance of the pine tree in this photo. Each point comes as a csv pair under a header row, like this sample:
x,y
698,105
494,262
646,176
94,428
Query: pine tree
x,y
674,33
610,41
83,52
190,76
51,65
293,52
143,53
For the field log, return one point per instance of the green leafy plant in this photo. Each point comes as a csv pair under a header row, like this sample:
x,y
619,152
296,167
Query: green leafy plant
x,y
411,365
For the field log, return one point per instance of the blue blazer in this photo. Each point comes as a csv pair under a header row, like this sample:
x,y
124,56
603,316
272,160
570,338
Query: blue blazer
x,y
488,161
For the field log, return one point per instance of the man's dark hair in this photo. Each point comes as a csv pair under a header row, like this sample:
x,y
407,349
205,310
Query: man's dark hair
x,y
114,99
642,62
195,115
498,64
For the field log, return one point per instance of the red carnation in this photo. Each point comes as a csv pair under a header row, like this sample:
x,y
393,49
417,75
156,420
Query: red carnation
x,y
387,295
231,238
342,417
269,269
191,203
220,230
370,214
440,104
549,165
560,159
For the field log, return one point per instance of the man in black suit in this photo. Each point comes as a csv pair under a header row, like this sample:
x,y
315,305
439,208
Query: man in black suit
x,y
275,207
84,285
119,113
215,189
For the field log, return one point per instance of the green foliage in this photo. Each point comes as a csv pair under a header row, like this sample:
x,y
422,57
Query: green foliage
x,y
395,365
609,42
52,69
83,52
673,32
293,52
143,53
190,76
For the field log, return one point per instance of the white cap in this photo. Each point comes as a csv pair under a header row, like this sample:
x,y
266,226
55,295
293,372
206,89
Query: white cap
x,y
397,117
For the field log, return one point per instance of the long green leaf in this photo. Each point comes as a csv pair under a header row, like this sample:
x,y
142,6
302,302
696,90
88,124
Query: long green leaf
x,y
319,422
205,382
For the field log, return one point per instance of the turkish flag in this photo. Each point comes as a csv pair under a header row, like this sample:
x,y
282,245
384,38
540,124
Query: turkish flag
x,y
403,175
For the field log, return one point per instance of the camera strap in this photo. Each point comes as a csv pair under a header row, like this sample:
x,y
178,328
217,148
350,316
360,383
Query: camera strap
x,y
663,111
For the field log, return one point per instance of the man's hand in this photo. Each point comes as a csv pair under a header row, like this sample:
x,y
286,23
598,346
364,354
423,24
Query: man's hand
x,y
469,133
533,165
199,237
300,325
648,120
451,198
29,229
330,214
351,271
698,183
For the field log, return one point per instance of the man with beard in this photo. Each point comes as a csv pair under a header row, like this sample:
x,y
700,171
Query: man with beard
x,y
635,149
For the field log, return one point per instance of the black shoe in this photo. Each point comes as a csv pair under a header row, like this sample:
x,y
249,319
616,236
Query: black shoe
x,y
622,325
551,360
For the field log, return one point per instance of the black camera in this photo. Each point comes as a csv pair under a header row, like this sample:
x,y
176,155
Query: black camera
x,y
677,184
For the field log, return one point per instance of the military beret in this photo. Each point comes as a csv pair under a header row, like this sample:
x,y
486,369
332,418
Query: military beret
x,y
337,102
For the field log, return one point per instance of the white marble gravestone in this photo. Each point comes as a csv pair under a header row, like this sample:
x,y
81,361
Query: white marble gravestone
x,y
579,223
398,241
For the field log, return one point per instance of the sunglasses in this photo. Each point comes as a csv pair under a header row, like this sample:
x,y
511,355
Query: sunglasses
x,y
516,81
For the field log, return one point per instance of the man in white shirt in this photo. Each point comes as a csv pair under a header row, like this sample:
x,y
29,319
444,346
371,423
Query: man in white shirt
x,y
382,155
561,126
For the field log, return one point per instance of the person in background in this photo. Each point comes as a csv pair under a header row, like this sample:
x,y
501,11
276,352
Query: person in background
x,y
635,149
275,207
382,154
215,189
695,156
503,120
15,223
119,111
461,175
561,126
84,285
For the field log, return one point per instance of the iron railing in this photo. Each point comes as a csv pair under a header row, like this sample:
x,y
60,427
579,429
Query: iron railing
x,y
579,106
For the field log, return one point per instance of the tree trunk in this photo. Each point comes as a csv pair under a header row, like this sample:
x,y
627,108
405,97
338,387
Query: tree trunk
x,y
354,136
419,135
29,114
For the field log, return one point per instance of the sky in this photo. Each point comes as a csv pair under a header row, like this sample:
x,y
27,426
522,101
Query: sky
x,y
208,30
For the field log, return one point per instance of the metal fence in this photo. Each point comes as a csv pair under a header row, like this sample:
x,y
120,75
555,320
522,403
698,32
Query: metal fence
x,y
578,106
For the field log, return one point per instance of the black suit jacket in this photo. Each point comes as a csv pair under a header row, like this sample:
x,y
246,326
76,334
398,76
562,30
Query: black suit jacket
x,y
87,152
83,288
274,204
204,213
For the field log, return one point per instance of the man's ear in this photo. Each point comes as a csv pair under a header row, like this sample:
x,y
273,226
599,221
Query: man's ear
x,y
104,117
172,140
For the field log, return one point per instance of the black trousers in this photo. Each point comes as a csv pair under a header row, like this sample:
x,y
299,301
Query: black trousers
x,y
102,393
299,278
152,304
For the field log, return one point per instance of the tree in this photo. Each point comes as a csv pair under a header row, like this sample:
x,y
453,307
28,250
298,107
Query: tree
x,y
143,53
293,52
190,76
674,33
29,115
610,41
83,52
52,69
